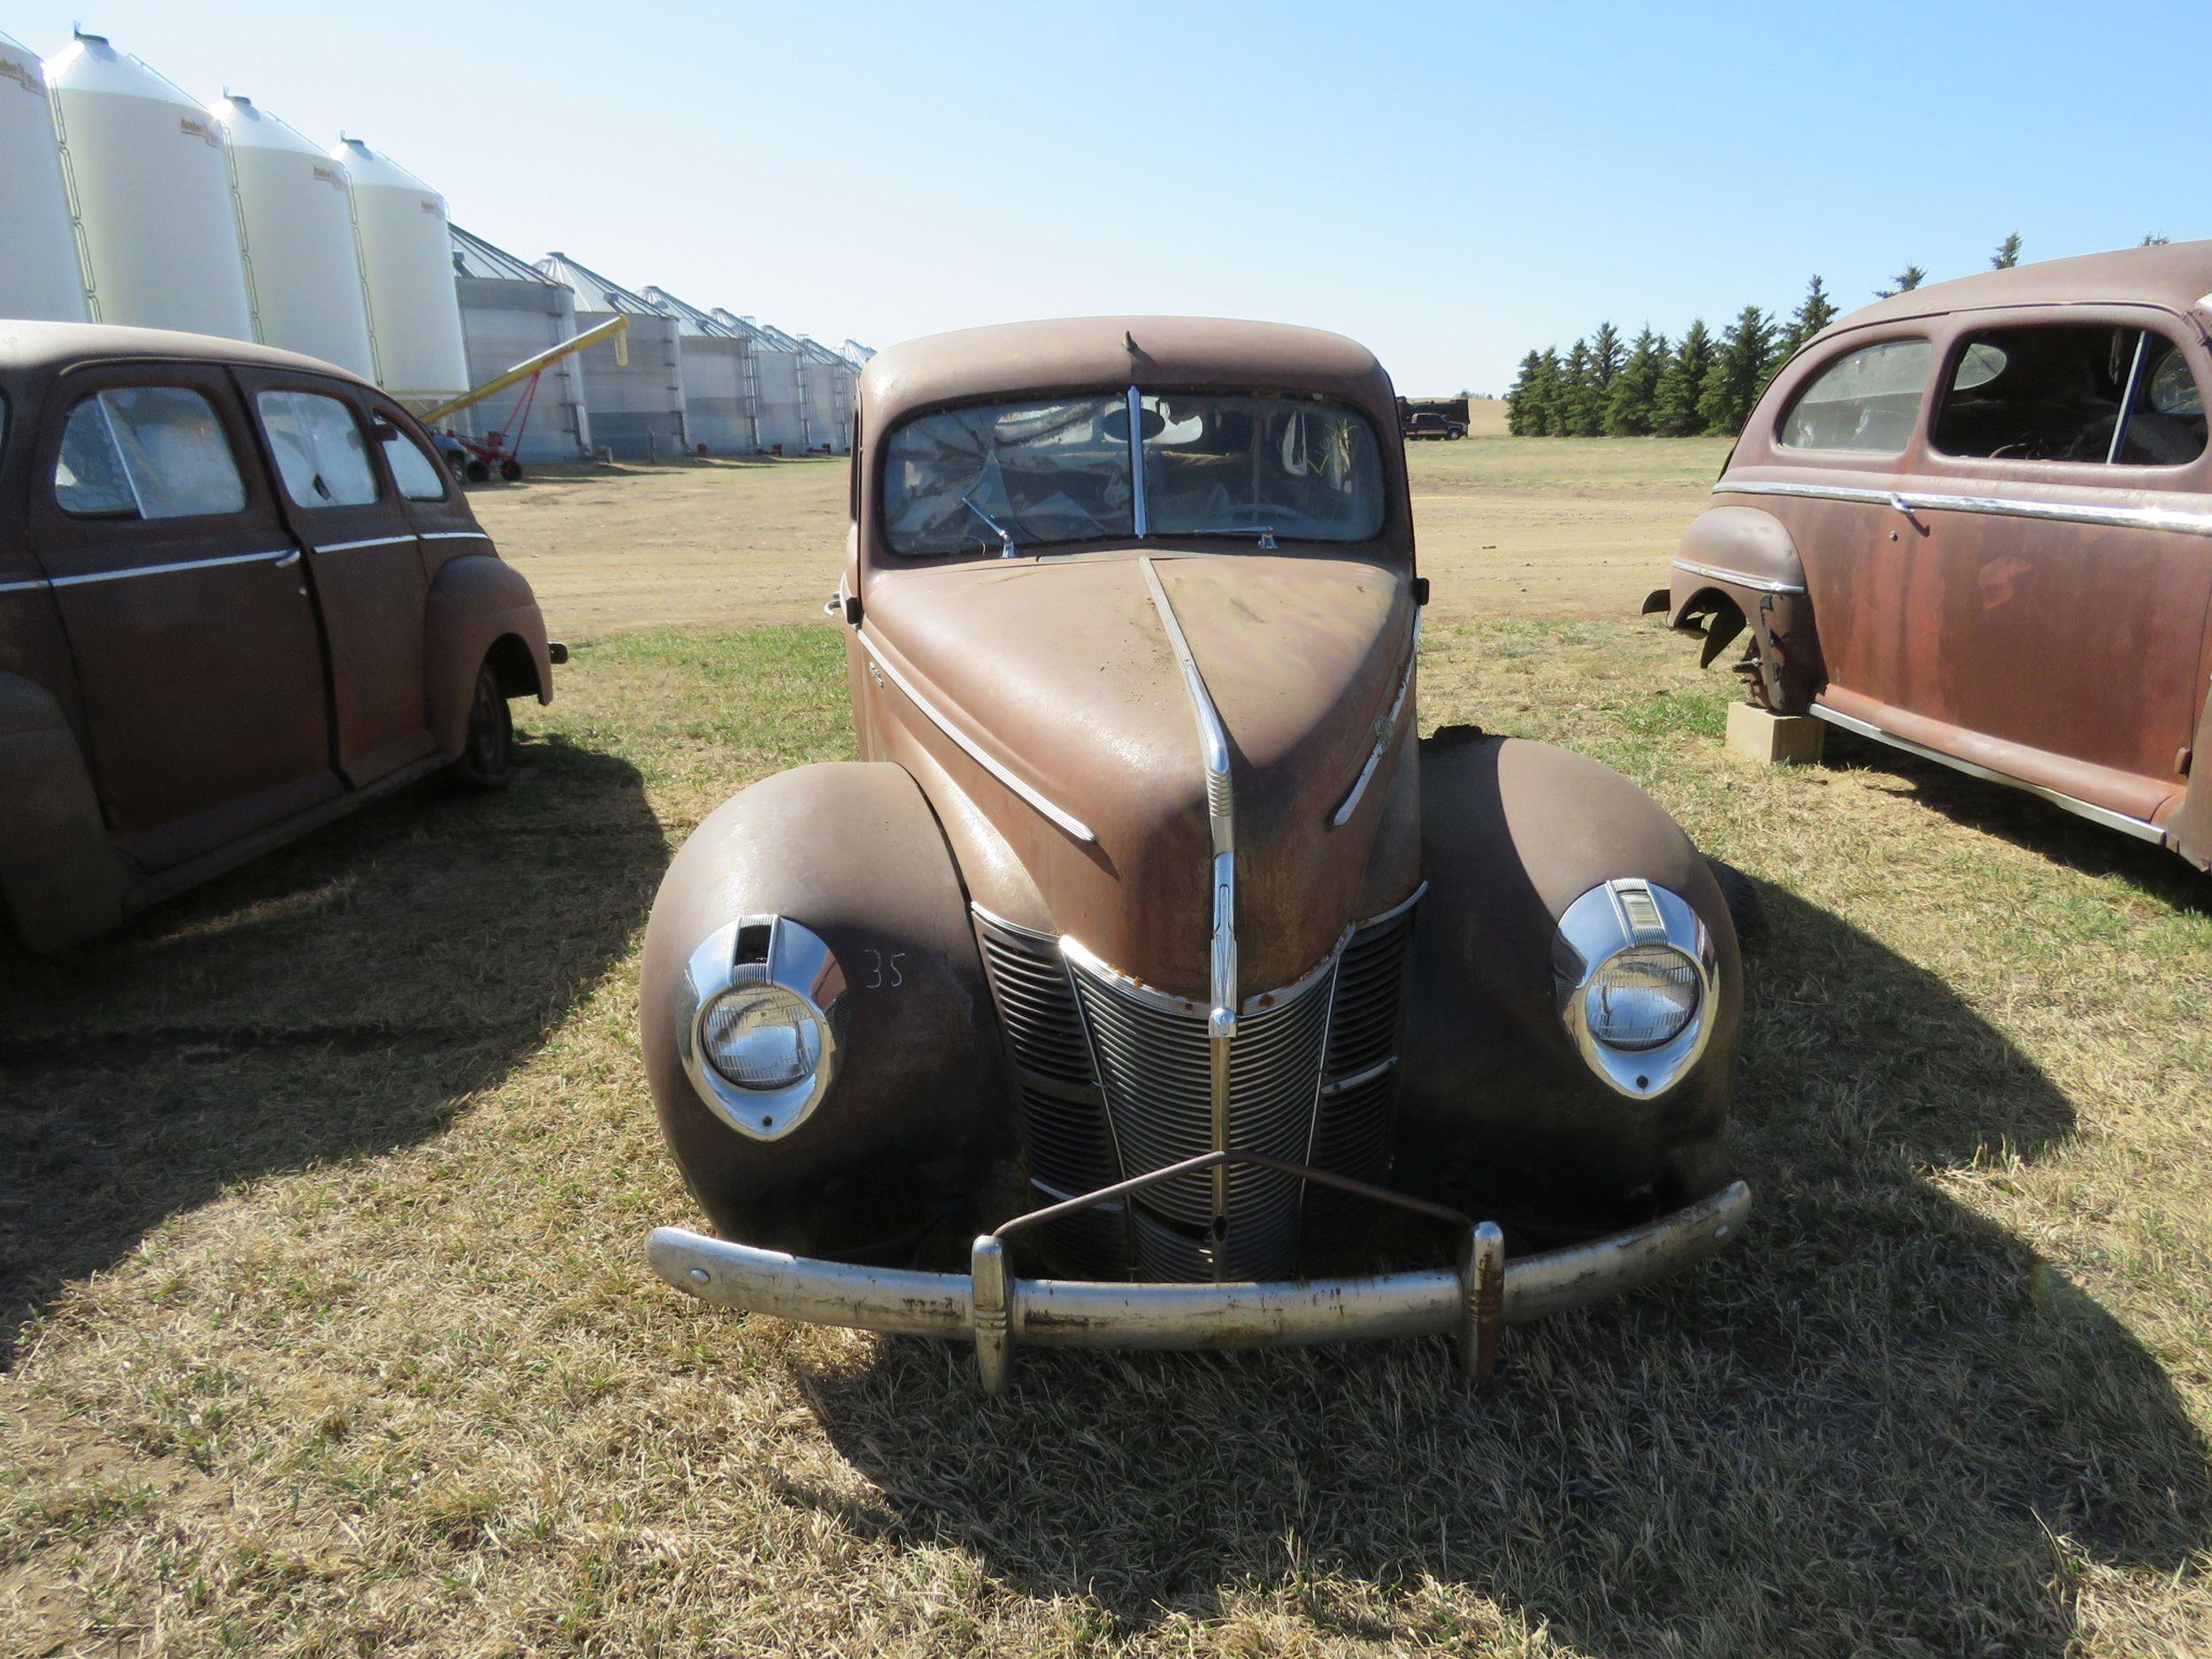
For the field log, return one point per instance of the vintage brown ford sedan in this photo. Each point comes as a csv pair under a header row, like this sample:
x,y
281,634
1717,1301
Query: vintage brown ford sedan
x,y
238,596
1971,521
1145,932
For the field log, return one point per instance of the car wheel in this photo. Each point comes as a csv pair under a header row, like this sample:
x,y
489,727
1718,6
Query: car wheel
x,y
487,750
1740,893
510,470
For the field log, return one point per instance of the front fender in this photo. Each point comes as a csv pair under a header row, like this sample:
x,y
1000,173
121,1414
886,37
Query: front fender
x,y
916,1120
478,601
1498,1114
60,876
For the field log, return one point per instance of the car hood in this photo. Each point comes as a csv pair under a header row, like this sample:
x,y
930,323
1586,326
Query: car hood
x,y
1060,670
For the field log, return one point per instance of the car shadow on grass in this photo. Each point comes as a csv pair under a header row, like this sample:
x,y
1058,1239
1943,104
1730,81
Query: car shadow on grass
x,y
2028,821
336,998
1866,1430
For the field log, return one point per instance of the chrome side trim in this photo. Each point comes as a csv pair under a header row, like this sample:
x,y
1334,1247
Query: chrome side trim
x,y
278,556
374,541
454,535
1085,1314
38,585
1213,743
1388,731
1067,821
2001,506
1760,583
2105,815
1394,912
996,920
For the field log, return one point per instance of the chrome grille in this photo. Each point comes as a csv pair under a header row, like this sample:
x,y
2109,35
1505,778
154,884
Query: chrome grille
x,y
1154,1062
1359,1082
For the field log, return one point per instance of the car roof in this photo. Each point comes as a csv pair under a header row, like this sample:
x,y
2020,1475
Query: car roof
x,y
31,348
2175,275
1075,352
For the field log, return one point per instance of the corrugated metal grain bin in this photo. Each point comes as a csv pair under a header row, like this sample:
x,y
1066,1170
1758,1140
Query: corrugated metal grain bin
x,y
40,279
779,409
829,380
510,311
637,412
717,368
407,250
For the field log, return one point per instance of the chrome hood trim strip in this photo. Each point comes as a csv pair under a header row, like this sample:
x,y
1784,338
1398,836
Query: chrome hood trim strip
x,y
1389,731
1067,821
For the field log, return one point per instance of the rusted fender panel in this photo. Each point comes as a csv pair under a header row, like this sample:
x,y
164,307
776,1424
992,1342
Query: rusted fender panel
x,y
61,879
1743,551
1498,1114
477,601
918,1116
1738,567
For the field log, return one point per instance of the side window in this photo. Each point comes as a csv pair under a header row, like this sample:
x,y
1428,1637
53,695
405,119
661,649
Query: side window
x,y
319,450
1864,402
146,452
2086,392
418,476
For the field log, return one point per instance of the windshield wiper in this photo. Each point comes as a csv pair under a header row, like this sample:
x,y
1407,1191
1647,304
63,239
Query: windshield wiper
x,y
1006,548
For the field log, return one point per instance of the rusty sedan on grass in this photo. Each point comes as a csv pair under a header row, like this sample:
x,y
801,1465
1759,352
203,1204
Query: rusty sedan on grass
x,y
1146,937
1971,522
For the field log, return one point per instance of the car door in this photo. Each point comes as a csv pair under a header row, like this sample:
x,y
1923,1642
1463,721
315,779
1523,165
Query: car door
x,y
2060,498
363,564
198,661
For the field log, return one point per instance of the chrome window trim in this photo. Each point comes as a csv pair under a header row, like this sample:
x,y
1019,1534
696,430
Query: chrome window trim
x,y
1762,584
1389,731
277,558
2002,506
1067,821
1139,514
2140,828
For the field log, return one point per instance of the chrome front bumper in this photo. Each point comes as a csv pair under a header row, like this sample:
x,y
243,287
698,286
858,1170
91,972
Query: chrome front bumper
x,y
999,1312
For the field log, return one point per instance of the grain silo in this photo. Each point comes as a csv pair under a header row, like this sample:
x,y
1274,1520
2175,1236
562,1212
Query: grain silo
x,y
296,209
856,354
778,409
829,380
510,311
718,369
407,257
40,276
637,412
151,180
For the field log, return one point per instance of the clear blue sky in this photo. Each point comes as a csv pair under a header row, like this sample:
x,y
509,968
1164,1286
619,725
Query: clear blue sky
x,y
1448,184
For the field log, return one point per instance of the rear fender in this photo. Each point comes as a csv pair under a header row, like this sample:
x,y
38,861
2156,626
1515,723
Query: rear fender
x,y
59,874
915,1124
480,608
1738,567
1499,1114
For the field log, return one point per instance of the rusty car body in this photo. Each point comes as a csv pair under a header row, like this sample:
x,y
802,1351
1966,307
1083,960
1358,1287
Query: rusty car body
x,y
1145,932
239,596
1971,521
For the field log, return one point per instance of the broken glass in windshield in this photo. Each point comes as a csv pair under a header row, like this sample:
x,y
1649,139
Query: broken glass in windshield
x,y
966,479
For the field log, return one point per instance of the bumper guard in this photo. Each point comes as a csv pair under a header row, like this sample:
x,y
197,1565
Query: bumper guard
x,y
999,1312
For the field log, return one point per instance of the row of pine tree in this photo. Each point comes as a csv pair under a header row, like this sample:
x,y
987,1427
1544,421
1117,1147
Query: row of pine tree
x,y
1652,386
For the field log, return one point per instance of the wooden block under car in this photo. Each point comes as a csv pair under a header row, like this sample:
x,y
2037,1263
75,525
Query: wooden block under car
x,y
1773,739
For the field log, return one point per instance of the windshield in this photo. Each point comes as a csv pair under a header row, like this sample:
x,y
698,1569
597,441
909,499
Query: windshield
x,y
1002,477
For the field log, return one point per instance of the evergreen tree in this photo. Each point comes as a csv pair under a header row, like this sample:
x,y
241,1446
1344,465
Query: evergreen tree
x,y
1739,372
2155,240
1543,414
1815,313
1631,401
1674,410
1579,408
1520,401
1911,278
2008,254
1605,356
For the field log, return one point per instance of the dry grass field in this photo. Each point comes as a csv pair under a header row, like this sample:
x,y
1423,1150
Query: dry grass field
x,y
324,1328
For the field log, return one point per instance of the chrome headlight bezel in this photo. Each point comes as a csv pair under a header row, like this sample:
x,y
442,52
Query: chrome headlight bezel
x,y
1621,915
761,949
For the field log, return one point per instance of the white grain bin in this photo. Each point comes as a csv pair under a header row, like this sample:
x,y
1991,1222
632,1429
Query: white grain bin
x,y
509,312
637,411
407,252
152,181
856,354
717,367
40,276
296,207
779,409
829,380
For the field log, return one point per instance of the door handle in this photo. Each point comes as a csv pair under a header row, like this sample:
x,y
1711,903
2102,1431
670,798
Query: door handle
x,y
286,560
1905,507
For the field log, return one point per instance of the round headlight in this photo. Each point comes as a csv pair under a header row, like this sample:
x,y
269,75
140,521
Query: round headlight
x,y
1641,997
761,1036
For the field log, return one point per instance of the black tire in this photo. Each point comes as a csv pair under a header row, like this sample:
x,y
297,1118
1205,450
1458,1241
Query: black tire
x,y
1740,893
478,473
510,470
487,749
